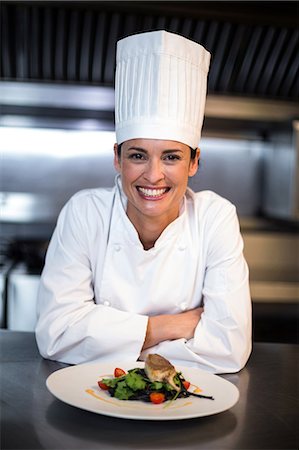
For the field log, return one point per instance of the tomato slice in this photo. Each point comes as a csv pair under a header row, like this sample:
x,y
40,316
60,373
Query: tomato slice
x,y
157,397
103,386
186,384
119,372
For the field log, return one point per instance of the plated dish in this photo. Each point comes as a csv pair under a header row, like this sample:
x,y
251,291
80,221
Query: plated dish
x,y
78,387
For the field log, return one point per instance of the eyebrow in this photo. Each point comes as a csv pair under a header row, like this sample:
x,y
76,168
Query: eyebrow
x,y
143,150
139,149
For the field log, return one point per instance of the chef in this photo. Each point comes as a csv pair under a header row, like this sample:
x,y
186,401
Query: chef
x,y
149,266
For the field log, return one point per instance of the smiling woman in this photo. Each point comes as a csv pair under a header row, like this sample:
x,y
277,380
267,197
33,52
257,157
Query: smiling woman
x,y
154,177
150,266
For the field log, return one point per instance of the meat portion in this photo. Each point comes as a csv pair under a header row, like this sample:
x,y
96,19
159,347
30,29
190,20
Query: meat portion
x,y
158,368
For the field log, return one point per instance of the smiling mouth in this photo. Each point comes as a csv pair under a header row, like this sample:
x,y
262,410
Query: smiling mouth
x,y
153,193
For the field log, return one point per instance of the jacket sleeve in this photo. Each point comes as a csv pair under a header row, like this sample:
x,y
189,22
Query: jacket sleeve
x,y
222,340
71,328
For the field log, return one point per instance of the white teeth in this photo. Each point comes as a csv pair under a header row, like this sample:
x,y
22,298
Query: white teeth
x,y
152,192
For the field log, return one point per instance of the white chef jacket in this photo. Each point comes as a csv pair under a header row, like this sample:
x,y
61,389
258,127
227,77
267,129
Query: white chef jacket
x,y
99,285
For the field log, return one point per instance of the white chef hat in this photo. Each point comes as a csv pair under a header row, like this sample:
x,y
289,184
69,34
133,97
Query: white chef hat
x,y
160,87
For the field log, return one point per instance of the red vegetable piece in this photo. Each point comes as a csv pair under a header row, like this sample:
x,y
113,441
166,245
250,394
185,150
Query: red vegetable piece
x,y
103,386
186,384
157,397
119,372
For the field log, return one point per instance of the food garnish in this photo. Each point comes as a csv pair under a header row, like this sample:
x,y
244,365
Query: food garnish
x,y
156,383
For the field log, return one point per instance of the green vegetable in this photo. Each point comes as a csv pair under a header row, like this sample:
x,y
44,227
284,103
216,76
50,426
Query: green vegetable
x,y
111,382
135,381
122,391
156,385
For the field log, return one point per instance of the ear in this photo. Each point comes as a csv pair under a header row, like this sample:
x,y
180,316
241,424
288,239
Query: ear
x,y
116,158
194,163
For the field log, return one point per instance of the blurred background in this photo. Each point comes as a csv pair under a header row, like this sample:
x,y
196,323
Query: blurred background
x,y
57,133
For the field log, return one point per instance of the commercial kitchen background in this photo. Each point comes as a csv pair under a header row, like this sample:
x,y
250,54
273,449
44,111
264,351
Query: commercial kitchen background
x,y
57,133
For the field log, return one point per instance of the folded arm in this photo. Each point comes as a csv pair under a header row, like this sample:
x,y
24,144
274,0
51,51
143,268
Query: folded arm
x,y
171,326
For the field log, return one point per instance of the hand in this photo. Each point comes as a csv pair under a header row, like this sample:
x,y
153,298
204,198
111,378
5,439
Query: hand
x,y
171,326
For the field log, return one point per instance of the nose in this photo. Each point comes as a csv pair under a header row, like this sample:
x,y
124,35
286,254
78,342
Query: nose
x,y
154,170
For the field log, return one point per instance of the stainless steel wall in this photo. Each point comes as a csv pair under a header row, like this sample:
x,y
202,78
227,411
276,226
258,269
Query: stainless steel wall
x,y
281,175
233,168
42,168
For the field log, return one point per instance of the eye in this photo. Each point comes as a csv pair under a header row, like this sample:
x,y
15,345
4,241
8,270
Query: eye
x,y
172,157
136,156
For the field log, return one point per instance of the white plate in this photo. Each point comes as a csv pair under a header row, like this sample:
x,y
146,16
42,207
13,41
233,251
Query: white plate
x,y
77,386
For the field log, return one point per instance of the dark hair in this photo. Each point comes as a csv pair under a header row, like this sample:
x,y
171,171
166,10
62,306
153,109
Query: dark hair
x,y
192,150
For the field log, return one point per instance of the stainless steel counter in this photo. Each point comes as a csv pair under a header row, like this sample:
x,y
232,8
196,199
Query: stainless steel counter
x,y
264,418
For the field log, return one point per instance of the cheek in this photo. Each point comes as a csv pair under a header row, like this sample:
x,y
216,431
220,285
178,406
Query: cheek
x,y
129,171
181,175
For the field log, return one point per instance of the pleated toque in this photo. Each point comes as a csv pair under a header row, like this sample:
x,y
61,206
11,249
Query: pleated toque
x,y
160,87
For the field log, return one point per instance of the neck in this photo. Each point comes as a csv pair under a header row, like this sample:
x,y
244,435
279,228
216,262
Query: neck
x,y
149,229
149,233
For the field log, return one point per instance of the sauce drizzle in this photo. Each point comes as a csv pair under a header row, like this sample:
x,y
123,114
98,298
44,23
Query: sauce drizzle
x,y
92,392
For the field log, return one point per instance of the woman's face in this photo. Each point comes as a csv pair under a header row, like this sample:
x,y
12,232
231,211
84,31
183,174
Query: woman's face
x,y
154,177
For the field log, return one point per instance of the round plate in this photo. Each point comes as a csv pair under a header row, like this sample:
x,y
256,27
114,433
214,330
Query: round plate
x,y
77,386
